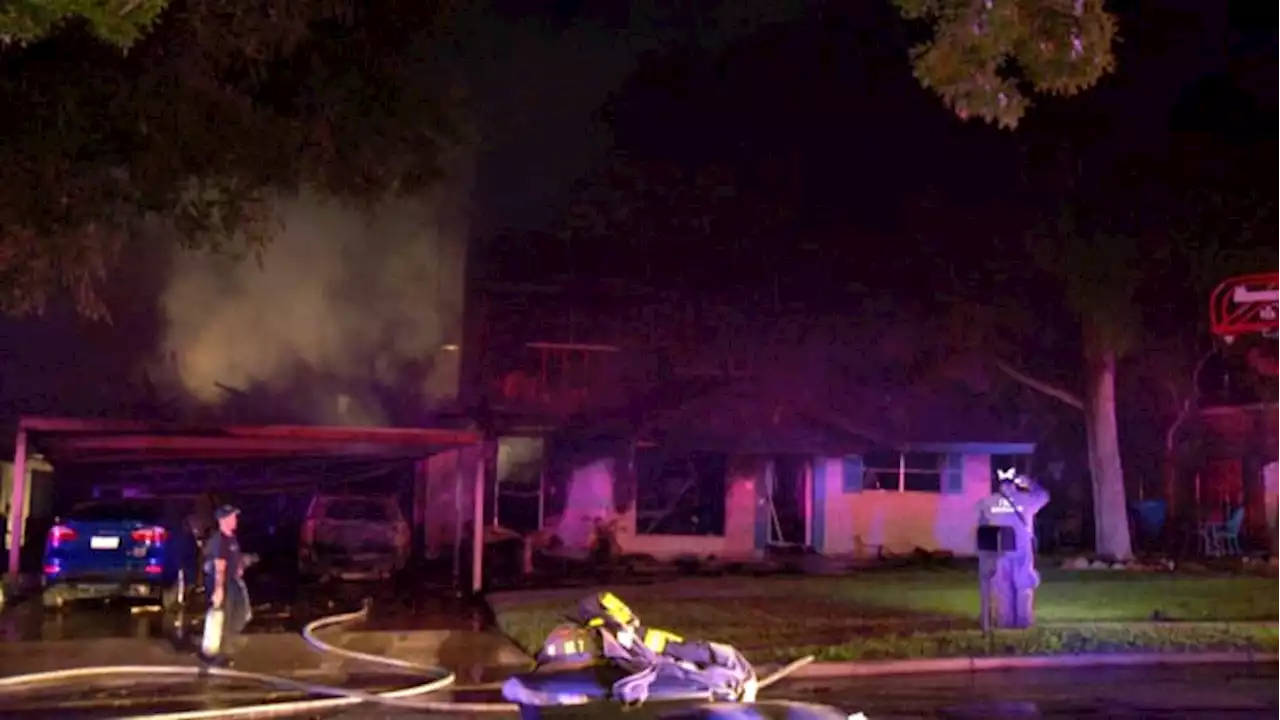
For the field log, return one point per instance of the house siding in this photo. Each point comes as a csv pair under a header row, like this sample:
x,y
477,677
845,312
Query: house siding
x,y
437,501
39,493
590,498
865,521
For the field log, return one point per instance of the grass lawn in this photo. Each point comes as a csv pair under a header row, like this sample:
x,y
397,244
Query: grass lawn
x,y
933,613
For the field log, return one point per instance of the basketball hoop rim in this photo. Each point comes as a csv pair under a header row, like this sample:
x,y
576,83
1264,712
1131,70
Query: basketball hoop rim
x,y
1229,338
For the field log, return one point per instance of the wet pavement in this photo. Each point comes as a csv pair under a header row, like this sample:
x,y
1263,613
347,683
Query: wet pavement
x,y
28,620
1154,693
279,607
430,625
1147,693
427,626
117,698
1226,692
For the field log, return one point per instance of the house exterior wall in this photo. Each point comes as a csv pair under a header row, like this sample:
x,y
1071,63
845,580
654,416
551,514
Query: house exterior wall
x,y
859,522
437,500
1237,442
1221,485
590,499
39,486
847,520
1269,483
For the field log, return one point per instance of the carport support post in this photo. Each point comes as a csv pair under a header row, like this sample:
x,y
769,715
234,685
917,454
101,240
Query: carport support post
x,y
457,520
477,520
542,497
18,503
496,495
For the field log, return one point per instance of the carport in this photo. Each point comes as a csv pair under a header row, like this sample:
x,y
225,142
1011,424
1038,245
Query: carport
x,y
64,442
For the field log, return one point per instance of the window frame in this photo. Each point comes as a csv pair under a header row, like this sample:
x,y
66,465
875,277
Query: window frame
x,y
902,471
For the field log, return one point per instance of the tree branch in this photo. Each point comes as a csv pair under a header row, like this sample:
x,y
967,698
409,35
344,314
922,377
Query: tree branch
x,y
1188,404
1040,386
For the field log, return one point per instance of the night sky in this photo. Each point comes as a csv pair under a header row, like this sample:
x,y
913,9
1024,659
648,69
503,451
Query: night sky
x,y
814,112
820,114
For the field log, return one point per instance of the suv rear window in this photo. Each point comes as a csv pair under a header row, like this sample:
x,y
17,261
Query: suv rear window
x,y
358,509
117,510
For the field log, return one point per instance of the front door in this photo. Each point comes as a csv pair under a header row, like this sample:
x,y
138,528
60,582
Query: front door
x,y
788,501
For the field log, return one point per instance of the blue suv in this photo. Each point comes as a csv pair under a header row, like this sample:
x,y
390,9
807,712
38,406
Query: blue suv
x,y
118,549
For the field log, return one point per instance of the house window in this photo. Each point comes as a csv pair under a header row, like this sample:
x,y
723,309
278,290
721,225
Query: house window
x,y
680,495
883,471
903,472
1021,463
922,472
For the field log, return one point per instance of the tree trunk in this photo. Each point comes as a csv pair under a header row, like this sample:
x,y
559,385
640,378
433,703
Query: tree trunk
x,y
1110,511
1172,493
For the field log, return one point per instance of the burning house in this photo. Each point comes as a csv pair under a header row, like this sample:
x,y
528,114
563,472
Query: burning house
x,y
674,428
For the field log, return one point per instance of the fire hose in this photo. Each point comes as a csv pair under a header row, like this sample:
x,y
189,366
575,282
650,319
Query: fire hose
x,y
333,698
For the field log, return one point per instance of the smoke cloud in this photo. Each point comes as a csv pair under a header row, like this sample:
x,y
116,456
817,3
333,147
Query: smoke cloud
x,y
342,296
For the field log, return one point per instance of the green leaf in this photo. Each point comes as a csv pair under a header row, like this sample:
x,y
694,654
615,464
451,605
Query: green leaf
x,y
984,57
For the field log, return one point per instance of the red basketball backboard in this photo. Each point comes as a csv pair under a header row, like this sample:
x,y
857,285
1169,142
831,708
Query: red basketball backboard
x,y
1246,305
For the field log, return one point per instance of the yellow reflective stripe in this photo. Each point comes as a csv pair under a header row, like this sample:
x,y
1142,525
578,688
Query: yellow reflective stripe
x,y
617,609
657,640
568,647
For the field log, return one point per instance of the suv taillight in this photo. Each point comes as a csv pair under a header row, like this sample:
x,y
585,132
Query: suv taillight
x,y
59,534
308,532
150,535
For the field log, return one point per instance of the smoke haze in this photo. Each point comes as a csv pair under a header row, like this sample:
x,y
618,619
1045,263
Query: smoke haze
x,y
343,295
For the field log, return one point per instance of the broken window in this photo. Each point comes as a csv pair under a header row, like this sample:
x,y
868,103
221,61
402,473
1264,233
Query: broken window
x,y
681,495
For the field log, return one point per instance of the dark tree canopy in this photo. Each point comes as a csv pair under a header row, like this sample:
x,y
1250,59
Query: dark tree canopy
x,y
200,120
192,112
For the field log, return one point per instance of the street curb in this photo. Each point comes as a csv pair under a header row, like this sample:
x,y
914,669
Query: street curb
x,y
842,670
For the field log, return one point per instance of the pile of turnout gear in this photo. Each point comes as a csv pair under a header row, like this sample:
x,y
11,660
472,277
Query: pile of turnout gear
x,y
604,654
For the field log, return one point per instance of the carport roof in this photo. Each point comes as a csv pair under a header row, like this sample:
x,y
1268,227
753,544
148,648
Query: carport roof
x,y
66,440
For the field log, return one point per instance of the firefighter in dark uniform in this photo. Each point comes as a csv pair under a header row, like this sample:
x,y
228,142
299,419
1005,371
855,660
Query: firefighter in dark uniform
x,y
225,564
1008,580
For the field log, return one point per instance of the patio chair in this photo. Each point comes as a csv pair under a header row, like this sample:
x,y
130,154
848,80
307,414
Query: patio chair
x,y
1210,540
1226,536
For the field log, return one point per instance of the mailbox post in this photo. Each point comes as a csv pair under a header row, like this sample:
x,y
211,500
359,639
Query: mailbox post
x,y
996,593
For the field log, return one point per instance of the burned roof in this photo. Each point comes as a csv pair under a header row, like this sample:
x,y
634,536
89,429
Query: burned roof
x,y
749,417
953,414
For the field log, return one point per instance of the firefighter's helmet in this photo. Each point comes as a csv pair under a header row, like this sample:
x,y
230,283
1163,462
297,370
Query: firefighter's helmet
x,y
568,644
